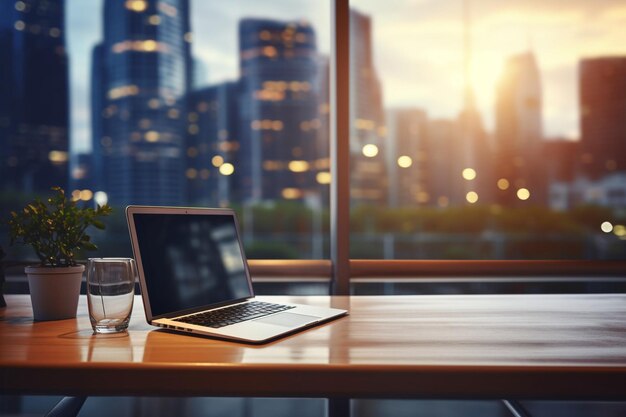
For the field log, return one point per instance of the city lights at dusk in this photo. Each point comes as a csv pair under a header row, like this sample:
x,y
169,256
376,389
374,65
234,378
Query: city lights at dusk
x,y
466,104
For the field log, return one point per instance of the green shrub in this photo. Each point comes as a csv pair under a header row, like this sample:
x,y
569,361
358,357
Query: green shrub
x,y
56,229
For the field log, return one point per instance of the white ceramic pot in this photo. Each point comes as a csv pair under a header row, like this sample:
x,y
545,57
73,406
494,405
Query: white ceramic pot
x,y
54,291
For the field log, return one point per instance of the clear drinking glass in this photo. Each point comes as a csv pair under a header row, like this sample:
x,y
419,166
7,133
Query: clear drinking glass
x,y
110,293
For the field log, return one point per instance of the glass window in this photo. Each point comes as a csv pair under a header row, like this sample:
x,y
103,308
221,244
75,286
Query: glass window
x,y
171,102
488,130
464,144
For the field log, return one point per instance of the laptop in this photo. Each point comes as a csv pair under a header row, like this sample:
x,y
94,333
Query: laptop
x,y
194,277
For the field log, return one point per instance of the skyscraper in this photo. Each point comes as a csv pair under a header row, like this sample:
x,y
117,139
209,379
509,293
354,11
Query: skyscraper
x,y
368,183
34,110
101,144
470,156
444,138
408,158
323,176
141,74
519,131
560,172
602,84
213,145
279,121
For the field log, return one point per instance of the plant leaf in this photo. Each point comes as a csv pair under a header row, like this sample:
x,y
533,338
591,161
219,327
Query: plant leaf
x,y
98,224
88,246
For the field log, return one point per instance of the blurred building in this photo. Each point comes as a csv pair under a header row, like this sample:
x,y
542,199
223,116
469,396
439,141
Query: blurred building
x,y
602,86
279,121
101,143
560,157
519,132
323,175
369,182
409,166
34,109
141,74
446,187
200,77
469,156
213,145
608,191
81,177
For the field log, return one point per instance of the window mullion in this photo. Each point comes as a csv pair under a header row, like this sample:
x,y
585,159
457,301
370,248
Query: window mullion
x,y
340,148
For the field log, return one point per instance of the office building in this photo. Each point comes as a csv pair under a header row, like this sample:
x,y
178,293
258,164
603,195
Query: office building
x,y
602,86
141,74
81,172
561,157
323,176
445,184
34,136
213,145
200,76
101,144
408,163
368,182
470,155
471,160
607,191
279,121
519,132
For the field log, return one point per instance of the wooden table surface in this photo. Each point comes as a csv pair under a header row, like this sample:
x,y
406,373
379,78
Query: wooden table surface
x,y
464,346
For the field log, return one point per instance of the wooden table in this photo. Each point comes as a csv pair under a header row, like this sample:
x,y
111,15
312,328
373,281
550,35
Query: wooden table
x,y
487,346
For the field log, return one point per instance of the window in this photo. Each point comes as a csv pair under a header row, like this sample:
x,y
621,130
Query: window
x,y
486,130
463,145
172,102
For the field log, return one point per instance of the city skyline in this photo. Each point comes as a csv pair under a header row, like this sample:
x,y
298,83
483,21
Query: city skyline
x,y
423,40
135,77
262,133
413,25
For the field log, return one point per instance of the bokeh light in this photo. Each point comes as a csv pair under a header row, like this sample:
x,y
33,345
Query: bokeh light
x,y
503,184
523,194
469,174
227,169
405,161
370,150
606,227
471,197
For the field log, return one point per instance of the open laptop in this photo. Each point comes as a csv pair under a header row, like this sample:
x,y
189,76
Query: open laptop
x,y
194,277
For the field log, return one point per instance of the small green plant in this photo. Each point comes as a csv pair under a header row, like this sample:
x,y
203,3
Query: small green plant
x,y
56,229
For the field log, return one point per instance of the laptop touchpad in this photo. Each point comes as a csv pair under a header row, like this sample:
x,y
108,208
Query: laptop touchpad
x,y
288,319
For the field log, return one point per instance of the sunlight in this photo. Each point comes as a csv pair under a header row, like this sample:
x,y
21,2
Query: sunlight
x,y
486,69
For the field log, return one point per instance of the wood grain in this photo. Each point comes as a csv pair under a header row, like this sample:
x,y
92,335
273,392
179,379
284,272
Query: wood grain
x,y
491,346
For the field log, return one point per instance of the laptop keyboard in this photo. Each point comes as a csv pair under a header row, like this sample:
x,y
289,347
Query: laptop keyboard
x,y
235,314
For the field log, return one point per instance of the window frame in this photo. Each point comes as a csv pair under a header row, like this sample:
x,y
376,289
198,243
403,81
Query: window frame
x,y
340,271
340,147
341,268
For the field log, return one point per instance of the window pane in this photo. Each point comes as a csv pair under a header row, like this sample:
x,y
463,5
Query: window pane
x,y
488,130
171,102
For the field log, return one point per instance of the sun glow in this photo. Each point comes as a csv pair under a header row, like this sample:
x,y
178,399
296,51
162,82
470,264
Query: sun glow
x,y
485,72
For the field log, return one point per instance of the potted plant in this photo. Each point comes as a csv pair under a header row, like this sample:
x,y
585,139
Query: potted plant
x,y
56,230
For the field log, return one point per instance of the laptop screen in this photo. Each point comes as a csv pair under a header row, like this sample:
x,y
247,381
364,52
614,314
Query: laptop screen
x,y
190,260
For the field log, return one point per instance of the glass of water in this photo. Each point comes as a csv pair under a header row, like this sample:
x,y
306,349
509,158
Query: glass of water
x,y
110,293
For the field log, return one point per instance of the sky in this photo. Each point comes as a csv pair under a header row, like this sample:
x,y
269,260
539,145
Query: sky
x,y
418,48
419,51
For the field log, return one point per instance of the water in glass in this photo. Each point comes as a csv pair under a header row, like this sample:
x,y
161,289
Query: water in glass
x,y
110,293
